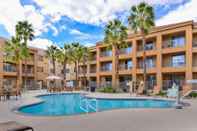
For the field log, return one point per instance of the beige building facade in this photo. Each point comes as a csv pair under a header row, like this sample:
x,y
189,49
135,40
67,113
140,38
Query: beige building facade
x,y
171,53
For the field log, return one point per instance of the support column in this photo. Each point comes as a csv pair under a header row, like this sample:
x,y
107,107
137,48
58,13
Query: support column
x,y
97,66
188,56
114,81
159,61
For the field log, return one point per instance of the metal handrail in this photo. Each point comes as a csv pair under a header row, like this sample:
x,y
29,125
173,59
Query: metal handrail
x,y
88,104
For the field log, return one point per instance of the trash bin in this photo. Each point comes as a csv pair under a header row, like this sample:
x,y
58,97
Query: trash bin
x,y
92,89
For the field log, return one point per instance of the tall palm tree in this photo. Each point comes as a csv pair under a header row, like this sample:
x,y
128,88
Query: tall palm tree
x,y
14,54
142,19
85,58
64,58
52,54
25,32
76,57
115,36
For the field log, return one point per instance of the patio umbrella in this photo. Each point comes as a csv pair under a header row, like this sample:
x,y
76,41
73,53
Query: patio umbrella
x,y
53,77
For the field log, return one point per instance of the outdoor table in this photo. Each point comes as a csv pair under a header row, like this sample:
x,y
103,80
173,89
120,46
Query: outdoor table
x,y
14,126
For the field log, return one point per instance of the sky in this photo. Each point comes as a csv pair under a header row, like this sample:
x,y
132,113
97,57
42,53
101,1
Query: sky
x,y
64,21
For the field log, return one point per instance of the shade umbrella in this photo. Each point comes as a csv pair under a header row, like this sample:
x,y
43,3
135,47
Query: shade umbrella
x,y
53,77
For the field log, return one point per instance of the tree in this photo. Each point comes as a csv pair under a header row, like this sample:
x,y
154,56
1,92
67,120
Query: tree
x,y
52,54
64,58
115,36
14,54
25,33
76,57
142,19
85,58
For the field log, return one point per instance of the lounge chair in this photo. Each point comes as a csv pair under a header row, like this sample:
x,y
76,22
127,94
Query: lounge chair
x,y
14,126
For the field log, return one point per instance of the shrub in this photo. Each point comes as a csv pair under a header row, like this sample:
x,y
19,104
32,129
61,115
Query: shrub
x,y
107,90
161,93
193,95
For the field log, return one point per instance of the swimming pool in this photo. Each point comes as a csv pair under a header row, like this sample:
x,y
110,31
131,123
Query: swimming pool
x,y
72,104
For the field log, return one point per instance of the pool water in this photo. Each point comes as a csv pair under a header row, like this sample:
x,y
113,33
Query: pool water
x,y
72,104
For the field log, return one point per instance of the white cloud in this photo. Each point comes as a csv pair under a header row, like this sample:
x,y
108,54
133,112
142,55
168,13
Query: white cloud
x,y
183,13
92,11
41,43
55,31
80,35
11,11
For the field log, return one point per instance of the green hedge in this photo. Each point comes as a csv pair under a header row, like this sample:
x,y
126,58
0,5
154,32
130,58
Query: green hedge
x,y
107,90
193,95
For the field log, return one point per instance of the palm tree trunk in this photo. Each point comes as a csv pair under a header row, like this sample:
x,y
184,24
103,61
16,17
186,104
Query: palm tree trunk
x,y
18,80
64,71
76,73
116,67
144,62
54,70
84,75
25,77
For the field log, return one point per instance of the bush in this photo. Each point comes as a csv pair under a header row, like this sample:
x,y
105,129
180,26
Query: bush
x,y
107,90
161,93
193,95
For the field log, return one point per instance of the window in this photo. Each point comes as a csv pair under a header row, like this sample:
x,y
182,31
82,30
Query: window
x,y
40,58
178,41
150,62
178,60
9,67
149,46
40,69
129,64
106,66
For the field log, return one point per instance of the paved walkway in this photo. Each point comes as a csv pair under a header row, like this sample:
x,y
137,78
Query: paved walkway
x,y
116,120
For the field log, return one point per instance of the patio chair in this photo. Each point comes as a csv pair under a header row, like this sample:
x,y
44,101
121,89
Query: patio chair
x,y
2,94
14,126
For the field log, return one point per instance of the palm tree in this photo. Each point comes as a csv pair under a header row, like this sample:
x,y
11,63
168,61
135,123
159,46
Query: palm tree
x,y
115,36
14,54
25,32
52,53
142,19
85,57
64,58
76,57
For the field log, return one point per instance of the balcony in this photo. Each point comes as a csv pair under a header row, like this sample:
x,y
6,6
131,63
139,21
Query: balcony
x,y
106,54
125,51
174,42
9,67
125,67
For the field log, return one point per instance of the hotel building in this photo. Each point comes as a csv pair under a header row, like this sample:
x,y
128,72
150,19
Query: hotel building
x,y
171,53
39,66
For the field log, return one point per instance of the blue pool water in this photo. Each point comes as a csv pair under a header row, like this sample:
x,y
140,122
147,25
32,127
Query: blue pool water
x,y
72,104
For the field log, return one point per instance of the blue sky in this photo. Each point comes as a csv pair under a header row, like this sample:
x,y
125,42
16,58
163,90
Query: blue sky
x,y
65,21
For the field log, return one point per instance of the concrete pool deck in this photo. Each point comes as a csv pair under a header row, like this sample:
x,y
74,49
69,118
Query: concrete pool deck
x,y
114,120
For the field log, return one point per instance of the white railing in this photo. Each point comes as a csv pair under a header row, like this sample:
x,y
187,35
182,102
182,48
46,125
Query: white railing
x,y
88,104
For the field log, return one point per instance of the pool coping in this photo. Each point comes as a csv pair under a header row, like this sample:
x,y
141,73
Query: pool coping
x,y
37,100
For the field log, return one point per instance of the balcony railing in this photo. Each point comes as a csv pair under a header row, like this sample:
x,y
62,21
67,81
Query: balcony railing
x,y
8,68
104,68
168,44
125,51
194,44
125,67
92,70
147,48
28,71
168,83
180,64
106,54
149,66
